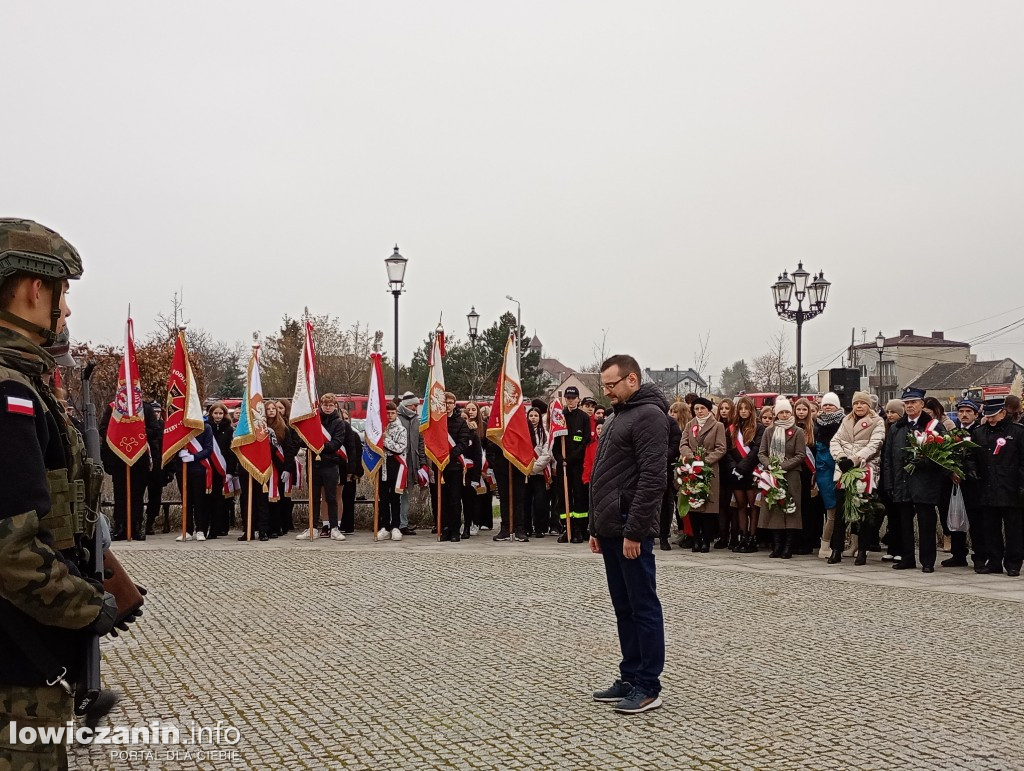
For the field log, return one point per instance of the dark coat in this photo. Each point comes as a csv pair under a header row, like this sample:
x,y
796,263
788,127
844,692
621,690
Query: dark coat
x,y
1001,476
745,466
354,450
971,486
925,483
222,435
465,440
675,436
630,476
338,429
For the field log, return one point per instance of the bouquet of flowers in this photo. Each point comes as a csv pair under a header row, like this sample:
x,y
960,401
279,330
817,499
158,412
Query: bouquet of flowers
x,y
693,478
774,487
859,505
945,451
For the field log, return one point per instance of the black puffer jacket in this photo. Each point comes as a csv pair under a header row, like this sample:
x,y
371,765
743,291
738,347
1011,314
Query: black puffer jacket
x,y
1001,475
924,483
630,473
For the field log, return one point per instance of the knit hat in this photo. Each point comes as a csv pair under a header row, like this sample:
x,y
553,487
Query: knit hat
x,y
833,399
896,405
409,399
862,396
782,405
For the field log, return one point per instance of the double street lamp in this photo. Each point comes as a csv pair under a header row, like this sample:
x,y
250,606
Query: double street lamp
x,y
396,264
796,286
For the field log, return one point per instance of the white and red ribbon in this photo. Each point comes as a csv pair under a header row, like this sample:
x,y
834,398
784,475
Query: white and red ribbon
x,y
402,477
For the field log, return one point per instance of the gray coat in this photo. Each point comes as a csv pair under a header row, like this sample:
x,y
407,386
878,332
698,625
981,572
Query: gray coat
x,y
796,449
630,474
414,454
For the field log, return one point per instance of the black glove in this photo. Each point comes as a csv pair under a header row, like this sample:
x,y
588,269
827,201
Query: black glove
x,y
122,625
108,614
845,464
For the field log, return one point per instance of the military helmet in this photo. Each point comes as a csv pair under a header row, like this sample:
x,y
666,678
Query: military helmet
x,y
28,247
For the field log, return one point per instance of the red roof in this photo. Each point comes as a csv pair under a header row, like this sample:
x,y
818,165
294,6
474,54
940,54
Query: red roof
x,y
908,338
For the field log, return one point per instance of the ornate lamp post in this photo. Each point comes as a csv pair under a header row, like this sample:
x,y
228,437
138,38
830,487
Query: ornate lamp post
x,y
816,293
396,264
474,322
879,346
519,325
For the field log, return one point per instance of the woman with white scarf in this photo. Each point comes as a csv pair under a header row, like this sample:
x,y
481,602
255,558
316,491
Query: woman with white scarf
x,y
785,442
704,431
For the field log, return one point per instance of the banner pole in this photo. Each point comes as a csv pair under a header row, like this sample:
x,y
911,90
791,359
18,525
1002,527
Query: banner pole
x,y
248,516
511,505
128,502
309,489
184,499
439,479
565,494
376,501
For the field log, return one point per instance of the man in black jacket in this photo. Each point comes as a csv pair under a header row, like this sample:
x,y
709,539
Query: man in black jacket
x,y
327,466
626,490
157,476
1000,458
460,439
970,488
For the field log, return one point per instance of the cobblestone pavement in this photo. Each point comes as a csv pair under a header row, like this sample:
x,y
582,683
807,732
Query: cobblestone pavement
x,y
483,655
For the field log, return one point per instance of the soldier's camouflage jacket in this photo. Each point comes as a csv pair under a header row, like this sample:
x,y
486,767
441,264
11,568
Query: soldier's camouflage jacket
x,y
39,589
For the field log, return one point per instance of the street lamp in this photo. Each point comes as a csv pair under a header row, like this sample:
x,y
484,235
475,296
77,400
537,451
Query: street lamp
x,y
816,294
474,322
880,346
519,325
396,264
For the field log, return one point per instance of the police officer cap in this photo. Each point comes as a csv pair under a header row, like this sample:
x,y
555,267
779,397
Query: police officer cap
x,y
572,392
994,405
969,404
913,393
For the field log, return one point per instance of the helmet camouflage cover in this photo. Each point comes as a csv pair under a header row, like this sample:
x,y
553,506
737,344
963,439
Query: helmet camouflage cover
x,y
28,247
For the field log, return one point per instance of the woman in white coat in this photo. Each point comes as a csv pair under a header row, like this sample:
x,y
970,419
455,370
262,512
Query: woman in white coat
x,y
858,442
538,500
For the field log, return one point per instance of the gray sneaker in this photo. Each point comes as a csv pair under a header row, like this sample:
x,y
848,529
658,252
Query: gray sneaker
x,y
638,701
616,693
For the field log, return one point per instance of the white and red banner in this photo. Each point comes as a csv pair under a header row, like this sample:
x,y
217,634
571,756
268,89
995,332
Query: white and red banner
x,y
305,412
507,425
126,431
183,411
433,416
376,417
251,443
556,426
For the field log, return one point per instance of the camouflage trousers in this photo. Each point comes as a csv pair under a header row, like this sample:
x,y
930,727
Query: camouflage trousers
x,y
33,707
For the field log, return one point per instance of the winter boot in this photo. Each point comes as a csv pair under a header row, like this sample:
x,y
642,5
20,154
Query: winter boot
x,y
776,544
824,550
862,557
787,546
854,546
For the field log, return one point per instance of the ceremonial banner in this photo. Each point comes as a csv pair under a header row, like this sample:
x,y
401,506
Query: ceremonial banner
x,y
376,417
557,426
433,416
251,443
305,414
126,431
183,412
507,425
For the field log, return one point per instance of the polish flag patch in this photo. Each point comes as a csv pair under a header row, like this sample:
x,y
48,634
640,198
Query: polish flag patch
x,y
20,406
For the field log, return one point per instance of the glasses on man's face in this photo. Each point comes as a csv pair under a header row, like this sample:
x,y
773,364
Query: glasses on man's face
x,y
609,386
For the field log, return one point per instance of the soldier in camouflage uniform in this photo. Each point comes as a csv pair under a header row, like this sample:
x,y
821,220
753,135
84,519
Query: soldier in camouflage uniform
x,y
48,612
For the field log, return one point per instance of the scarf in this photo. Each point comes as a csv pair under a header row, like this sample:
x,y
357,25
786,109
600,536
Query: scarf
x,y
826,426
777,446
702,421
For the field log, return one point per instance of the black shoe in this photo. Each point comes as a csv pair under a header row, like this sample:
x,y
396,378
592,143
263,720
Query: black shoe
x,y
407,531
521,537
433,530
990,570
540,535
242,537
696,546
504,536
705,547
101,706
734,542
149,530
264,537
117,536
665,545
722,543
616,693
862,557
211,536
446,535
455,537
927,569
1013,572
465,534
577,537
954,562
561,539
834,557
904,565
274,535
776,545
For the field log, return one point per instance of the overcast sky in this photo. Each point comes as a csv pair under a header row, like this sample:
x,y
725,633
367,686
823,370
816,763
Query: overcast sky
x,y
642,168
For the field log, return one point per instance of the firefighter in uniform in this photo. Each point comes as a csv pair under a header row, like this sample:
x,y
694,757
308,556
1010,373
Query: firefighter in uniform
x,y
48,612
578,423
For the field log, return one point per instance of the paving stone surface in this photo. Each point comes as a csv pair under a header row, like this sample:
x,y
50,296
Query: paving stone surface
x,y
481,655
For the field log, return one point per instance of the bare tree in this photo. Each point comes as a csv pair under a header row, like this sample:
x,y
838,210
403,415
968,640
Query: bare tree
x,y
599,351
702,358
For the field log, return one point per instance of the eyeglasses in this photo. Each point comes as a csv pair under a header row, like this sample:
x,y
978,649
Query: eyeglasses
x,y
610,386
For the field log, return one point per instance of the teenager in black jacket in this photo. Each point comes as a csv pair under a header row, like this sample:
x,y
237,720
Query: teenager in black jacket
x,y
220,507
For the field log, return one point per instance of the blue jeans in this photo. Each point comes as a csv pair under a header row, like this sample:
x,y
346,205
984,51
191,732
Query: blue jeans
x,y
641,625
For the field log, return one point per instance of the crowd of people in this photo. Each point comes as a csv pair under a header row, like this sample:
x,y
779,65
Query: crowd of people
x,y
813,442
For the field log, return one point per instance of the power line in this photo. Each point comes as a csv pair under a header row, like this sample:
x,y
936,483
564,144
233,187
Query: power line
x,y
987,318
